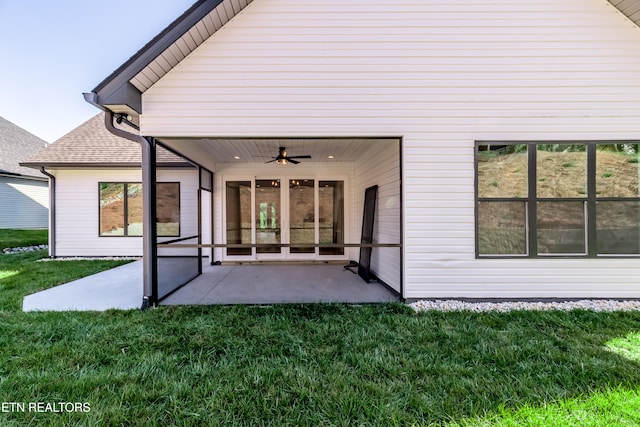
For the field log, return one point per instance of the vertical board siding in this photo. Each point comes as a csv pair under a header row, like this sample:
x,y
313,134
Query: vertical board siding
x,y
77,211
24,203
441,75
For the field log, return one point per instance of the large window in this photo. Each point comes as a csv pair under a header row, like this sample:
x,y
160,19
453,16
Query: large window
x,y
121,209
557,199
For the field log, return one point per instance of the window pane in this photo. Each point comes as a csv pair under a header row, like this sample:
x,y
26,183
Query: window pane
x,y
268,214
168,208
331,194
111,209
561,228
502,228
134,209
502,171
302,224
617,170
238,194
618,227
561,170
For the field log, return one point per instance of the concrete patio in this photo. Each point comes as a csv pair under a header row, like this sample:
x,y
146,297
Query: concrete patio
x,y
118,288
121,288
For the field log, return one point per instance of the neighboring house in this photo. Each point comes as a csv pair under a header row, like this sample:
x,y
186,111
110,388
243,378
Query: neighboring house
x,y
490,129
24,193
97,193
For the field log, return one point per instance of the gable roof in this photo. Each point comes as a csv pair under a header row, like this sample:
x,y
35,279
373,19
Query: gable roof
x,y
16,144
121,92
92,145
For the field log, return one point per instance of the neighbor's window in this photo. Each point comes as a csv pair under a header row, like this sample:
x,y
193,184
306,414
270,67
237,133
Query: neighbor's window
x,y
121,209
558,199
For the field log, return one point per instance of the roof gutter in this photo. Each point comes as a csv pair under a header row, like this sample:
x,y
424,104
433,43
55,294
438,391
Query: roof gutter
x,y
52,212
149,237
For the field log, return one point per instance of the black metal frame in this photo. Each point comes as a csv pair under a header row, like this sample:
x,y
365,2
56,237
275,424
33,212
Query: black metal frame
x,y
590,200
154,298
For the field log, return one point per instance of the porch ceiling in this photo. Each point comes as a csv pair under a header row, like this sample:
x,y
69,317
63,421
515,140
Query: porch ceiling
x,y
256,150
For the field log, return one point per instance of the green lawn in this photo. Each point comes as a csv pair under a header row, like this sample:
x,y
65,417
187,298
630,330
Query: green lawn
x,y
10,238
311,365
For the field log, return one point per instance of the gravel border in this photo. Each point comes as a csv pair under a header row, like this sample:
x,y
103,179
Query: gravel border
x,y
23,249
586,304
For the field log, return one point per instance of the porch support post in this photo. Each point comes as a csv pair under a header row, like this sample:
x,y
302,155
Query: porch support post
x,y
149,233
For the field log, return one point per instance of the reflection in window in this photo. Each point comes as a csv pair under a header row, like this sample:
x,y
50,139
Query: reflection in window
x,y
618,227
502,228
576,184
134,209
331,220
168,209
268,215
238,210
617,170
112,200
502,171
561,170
561,228
121,211
302,225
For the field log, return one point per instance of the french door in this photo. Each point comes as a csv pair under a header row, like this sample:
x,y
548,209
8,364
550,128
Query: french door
x,y
285,210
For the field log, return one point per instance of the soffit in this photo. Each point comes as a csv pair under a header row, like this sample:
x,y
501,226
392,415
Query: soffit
x,y
631,8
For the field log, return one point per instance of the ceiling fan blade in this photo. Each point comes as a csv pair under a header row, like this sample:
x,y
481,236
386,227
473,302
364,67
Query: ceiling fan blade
x,y
270,161
295,162
299,157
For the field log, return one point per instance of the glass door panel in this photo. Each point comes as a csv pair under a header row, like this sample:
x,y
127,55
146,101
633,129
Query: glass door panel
x,y
268,215
302,224
238,216
331,217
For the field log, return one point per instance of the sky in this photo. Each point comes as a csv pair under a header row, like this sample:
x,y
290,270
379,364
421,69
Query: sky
x,y
51,51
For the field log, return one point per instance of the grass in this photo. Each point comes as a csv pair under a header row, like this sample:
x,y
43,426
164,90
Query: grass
x,y
10,238
311,365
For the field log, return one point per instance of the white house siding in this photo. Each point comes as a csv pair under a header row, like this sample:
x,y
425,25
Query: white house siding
x,y
77,210
24,203
381,166
441,74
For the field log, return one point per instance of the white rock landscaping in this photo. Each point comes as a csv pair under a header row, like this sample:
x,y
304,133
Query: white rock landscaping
x,y
457,305
24,249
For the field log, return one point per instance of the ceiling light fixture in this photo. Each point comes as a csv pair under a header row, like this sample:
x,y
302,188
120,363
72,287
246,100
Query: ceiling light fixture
x,y
330,157
236,157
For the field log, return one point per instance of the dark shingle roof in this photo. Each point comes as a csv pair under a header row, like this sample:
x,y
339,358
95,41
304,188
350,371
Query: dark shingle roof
x,y
91,144
16,144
